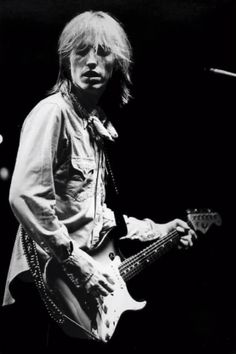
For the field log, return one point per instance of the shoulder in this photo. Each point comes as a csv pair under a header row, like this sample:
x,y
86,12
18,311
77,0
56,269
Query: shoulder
x,y
49,113
53,107
55,101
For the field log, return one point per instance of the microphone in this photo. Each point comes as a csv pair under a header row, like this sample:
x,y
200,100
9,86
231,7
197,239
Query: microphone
x,y
222,72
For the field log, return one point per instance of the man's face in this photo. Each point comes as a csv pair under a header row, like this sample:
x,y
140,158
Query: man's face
x,y
91,69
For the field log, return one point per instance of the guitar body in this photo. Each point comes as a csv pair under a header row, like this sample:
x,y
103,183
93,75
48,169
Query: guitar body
x,y
85,316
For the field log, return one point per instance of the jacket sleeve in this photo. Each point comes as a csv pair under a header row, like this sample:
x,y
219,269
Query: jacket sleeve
x,y
143,230
32,194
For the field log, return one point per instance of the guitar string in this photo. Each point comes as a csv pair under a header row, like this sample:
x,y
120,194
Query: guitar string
x,y
159,243
139,260
134,261
129,261
146,259
137,268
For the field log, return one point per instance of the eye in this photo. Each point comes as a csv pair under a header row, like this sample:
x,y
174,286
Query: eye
x,y
103,51
82,51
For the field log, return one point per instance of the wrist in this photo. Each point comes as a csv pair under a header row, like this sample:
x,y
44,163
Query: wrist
x,y
156,230
65,253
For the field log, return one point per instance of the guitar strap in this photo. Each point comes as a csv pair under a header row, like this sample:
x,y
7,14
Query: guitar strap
x,y
121,227
29,247
47,297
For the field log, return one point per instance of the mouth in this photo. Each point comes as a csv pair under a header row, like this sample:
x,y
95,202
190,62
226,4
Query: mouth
x,y
91,74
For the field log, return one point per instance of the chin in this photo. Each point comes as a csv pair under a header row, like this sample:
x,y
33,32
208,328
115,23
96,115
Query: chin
x,y
95,88
92,88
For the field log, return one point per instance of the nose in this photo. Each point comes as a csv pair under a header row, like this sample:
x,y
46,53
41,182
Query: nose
x,y
91,59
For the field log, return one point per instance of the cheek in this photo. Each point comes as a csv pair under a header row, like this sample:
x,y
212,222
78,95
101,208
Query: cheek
x,y
73,73
109,70
109,65
75,66
72,68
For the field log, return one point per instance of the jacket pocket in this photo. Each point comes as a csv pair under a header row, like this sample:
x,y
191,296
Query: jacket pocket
x,y
81,184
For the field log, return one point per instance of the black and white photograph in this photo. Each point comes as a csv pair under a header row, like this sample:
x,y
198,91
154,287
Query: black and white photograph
x,y
117,176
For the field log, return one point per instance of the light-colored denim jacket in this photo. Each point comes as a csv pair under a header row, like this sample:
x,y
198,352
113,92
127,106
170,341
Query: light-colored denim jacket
x,y
58,187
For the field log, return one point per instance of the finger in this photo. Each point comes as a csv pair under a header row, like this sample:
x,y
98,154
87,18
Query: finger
x,y
181,223
104,284
186,241
109,278
96,290
193,234
187,237
101,291
183,242
180,229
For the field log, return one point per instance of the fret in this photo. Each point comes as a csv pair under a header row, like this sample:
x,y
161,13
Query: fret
x,y
135,264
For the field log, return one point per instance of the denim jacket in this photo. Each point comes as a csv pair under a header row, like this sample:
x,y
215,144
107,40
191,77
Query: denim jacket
x,y
58,186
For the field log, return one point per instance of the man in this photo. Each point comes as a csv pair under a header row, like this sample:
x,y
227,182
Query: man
x,y
58,185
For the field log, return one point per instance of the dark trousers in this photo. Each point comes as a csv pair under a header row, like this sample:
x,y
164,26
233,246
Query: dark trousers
x,y
26,327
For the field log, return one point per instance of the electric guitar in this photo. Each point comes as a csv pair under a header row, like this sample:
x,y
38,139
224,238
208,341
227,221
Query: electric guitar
x,y
96,318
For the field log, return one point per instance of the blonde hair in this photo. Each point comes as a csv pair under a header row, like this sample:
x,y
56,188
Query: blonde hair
x,y
99,29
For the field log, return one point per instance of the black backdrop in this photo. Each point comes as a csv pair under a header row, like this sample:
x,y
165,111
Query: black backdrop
x,y
175,149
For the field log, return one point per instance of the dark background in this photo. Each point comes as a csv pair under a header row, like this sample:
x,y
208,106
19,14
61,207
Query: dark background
x,y
175,149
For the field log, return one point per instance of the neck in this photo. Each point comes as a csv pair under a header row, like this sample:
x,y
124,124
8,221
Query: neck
x,y
88,100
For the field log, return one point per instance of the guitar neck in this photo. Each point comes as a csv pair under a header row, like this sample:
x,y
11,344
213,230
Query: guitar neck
x,y
138,262
200,221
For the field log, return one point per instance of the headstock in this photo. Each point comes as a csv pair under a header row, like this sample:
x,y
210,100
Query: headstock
x,y
203,219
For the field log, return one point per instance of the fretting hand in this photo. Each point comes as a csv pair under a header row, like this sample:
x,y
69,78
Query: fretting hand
x,y
188,234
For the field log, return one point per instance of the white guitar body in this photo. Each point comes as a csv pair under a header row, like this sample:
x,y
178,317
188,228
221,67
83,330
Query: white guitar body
x,y
87,317
91,318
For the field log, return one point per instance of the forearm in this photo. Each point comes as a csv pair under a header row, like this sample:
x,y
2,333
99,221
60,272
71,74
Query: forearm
x,y
38,218
142,229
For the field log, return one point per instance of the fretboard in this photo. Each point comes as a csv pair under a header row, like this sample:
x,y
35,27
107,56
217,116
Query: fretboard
x,y
135,264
